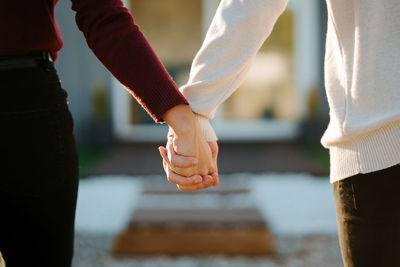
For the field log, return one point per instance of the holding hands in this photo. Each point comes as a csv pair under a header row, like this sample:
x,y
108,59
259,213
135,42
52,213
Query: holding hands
x,y
189,161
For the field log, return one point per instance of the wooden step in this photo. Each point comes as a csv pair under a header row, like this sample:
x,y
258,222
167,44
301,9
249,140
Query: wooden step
x,y
168,219
180,232
202,241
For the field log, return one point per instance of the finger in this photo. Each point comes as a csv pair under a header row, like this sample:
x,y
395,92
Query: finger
x,y
214,149
215,175
192,188
164,155
187,163
170,147
165,166
182,180
207,182
179,161
181,171
215,179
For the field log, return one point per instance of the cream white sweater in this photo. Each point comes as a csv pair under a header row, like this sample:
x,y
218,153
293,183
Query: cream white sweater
x,y
362,75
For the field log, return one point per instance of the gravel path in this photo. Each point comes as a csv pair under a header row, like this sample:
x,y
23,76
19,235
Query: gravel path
x,y
294,251
298,209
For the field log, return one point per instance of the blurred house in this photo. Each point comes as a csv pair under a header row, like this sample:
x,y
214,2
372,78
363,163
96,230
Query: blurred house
x,y
86,81
284,87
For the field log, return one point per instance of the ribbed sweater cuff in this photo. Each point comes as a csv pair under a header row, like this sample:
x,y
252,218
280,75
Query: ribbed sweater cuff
x,y
163,97
373,151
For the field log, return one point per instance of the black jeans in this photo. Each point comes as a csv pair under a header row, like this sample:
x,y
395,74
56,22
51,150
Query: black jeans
x,y
368,213
39,169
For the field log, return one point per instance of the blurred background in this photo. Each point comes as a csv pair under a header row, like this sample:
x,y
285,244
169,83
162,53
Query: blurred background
x,y
271,162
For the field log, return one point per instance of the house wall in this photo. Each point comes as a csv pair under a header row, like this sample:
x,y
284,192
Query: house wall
x,y
166,24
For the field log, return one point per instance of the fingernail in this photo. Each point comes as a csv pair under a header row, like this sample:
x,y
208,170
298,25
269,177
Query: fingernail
x,y
198,180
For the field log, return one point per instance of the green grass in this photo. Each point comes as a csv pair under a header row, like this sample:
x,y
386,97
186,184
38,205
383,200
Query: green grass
x,y
320,156
88,156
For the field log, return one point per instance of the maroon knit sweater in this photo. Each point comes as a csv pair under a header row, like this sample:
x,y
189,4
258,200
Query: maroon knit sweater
x,y
111,34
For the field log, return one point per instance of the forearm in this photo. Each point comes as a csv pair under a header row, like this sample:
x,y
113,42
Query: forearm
x,y
237,32
120,45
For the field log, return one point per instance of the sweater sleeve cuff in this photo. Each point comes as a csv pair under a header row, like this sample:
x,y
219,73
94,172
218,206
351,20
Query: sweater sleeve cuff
x,y
207,129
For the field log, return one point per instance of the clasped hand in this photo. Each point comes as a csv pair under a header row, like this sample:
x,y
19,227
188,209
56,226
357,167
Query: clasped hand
x,y
189,161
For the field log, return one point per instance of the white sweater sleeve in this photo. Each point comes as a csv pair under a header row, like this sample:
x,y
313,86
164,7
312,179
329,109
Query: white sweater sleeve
x,y
237,32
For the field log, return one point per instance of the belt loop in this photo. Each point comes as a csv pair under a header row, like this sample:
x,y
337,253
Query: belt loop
x,y
45,61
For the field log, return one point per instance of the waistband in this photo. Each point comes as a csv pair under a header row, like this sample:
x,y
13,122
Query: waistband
x,y
31,60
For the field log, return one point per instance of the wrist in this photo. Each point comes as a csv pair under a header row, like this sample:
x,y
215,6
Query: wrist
x,y
180,119
206,128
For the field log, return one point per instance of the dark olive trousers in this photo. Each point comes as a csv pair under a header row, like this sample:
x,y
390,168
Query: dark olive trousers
x,y
38,169
368,213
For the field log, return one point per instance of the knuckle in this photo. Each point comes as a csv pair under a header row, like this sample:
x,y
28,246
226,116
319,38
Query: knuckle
x,y
203,171
211,170
186,172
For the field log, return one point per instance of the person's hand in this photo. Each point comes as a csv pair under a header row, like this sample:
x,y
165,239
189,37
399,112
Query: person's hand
x,y
196,182
186,139
194,145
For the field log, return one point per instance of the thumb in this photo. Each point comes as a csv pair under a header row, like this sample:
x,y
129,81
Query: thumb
x,y
215,177
164,154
